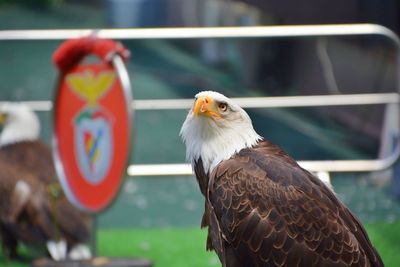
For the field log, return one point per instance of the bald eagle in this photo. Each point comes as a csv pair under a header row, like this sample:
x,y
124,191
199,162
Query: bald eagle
x,y
33,208
261,207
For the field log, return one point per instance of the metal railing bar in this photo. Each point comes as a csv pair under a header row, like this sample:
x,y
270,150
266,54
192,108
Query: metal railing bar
x,y
179,169
183,169
254,102
203,32
280,101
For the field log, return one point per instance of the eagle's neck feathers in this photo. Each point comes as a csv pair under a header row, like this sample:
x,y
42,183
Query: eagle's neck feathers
x,y
206,139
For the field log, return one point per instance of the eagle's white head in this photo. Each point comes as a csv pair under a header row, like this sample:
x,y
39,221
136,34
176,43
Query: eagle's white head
x,y
20,124
215,129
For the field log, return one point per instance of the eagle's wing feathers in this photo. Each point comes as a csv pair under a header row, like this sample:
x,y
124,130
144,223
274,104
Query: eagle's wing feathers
x,y
266,206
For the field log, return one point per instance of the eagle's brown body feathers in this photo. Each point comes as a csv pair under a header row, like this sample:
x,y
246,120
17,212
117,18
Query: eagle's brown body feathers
x,y
47,214
263,209
31,156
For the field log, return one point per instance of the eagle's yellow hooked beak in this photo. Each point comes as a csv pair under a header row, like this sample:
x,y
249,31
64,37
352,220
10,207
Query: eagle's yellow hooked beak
x,y
3,118
205,106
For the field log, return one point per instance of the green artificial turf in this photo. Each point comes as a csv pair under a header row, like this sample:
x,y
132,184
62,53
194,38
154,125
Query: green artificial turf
x,y
182,247
177,247
186,246
386,238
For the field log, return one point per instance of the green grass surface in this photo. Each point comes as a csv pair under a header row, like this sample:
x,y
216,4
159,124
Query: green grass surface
x,y
177,247
182,247
186,246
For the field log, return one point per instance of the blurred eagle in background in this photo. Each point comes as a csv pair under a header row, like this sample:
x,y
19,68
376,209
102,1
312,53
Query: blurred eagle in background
x,y
33,207
261,207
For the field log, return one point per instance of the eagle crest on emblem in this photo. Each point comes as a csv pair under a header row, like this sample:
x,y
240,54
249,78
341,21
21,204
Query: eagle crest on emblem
x,y
93,124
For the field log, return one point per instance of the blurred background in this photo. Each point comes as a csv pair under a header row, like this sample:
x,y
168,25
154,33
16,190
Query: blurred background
x,y
151,212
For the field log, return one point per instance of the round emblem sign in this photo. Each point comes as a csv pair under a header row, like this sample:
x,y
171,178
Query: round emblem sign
x,y
91,130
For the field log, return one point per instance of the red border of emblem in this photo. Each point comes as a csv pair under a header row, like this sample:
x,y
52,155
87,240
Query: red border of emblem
x,y
112,109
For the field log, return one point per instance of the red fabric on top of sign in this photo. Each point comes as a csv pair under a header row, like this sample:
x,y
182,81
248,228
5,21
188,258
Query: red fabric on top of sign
x,y
93,197
72,51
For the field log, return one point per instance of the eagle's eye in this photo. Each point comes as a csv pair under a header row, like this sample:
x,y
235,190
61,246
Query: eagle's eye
x,y
223,106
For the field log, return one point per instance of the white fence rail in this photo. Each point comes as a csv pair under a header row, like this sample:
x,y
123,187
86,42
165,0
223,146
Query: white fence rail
x,y
259,102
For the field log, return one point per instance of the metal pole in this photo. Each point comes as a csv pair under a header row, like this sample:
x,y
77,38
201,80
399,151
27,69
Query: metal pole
x,y
253,102
205,32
